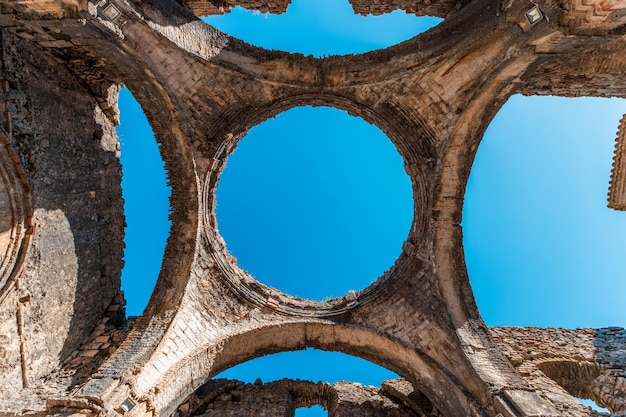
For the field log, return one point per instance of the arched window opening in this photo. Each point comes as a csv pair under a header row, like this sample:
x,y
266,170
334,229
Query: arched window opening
x,y
314,411
577,379
146,204
535,222
315,203
319,28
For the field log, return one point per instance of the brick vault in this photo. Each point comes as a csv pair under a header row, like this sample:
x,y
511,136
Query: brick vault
x,y
63,347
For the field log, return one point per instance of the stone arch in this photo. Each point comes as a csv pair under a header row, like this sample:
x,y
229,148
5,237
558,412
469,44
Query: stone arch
x,y
307,394
574,377
219,397
394,128
456,160
544,58
16,232
16,223
583,380
617,183
209,360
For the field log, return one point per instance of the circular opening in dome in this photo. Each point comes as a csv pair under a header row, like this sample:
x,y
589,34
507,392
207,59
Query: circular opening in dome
x,y
315,202
323,27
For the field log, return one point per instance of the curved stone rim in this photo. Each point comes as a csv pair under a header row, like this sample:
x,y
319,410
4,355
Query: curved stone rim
x,y
208,360
22,229
255,292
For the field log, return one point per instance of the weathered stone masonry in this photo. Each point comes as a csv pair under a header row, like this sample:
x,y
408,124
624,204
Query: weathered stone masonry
x,y
62,350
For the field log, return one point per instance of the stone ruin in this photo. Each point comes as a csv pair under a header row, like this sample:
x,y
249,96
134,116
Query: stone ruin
x,y
65,346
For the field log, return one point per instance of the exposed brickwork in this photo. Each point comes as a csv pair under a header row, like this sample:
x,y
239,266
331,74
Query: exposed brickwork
x,y
210,7
617,188
440,8
45,8
433,96
104,339
16,217
363,7
585,363
595,18
396,398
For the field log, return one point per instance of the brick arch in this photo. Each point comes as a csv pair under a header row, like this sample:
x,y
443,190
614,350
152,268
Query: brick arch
x,y
574,377
415,164
235,348
457,160
16,223
457,156
308,394
584,379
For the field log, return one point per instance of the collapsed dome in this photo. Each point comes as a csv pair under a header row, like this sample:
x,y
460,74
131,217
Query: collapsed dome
x,y
315,203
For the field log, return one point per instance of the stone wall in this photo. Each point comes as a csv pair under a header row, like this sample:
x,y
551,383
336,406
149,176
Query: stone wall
x,y
68,149
440,8
584,363
592,18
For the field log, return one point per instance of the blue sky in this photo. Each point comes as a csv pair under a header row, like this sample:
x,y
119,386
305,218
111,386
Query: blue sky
x,y
542,248
320,28
330,202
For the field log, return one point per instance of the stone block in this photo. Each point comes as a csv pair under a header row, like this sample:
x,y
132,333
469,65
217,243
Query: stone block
x,y
530,404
